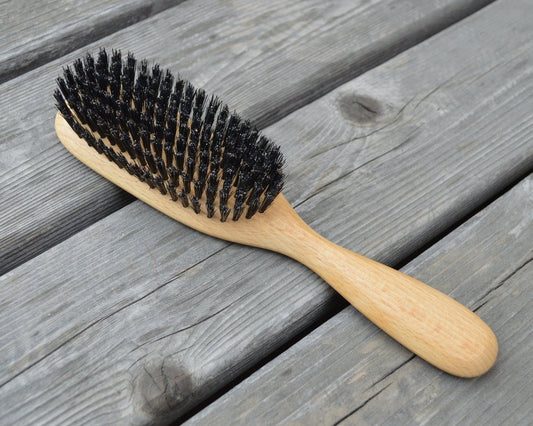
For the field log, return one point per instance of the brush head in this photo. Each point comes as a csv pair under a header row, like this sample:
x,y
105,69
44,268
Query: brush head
x,y
170,135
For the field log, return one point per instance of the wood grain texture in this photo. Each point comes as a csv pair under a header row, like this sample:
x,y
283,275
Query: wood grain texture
x,y
35,33
346,372
272,58
150,317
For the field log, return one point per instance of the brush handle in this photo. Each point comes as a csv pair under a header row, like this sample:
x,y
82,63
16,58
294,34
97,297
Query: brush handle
x,y
431,324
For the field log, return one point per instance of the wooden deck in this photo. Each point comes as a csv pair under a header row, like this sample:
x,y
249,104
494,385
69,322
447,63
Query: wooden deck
x,y
408,136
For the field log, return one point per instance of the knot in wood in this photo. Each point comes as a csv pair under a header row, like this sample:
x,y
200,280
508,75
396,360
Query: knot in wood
x,y
161,389
360,109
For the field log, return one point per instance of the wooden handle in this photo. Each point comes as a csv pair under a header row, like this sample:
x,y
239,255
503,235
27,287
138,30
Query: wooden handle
x,y
431,324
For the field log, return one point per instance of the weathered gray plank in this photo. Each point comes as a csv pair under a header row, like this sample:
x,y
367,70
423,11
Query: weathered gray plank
x,y
264,60
151,317
34,33
348,370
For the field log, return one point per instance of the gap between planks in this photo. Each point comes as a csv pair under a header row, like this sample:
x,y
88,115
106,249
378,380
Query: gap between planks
x,y
36,34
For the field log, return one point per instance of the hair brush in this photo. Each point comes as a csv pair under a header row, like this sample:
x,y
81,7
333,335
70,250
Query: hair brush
x,y
183,152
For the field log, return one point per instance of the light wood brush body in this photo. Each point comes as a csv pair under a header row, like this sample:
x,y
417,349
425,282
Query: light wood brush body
x,y
432,325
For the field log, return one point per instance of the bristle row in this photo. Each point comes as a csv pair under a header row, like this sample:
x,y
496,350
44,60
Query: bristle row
x,y
170,135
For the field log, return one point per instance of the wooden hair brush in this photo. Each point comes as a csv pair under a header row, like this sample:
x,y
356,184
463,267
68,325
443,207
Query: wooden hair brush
x,y
185,154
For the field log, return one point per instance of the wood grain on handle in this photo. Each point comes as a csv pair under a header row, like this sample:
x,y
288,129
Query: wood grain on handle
x,y
424,320
431,324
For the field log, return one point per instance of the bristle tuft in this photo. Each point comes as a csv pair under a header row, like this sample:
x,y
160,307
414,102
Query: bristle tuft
x,y
170,135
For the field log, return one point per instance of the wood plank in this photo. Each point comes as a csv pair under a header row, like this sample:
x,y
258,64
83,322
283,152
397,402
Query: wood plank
x,y
347,372
264,64
150,318
33,34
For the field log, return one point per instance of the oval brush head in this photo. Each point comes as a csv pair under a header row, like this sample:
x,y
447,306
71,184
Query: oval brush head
x,y
170,135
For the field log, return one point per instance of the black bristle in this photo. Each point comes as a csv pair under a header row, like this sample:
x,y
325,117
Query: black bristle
x,y
186,182
147,177
150,96
224,213
173,175
203,161
90,70
140,86
178,92
161,168
144,136
170,128
170,135
186,102
138,171
212,109
61,104
252,208
210,207
212,186
116,71
121,161
169,151
102,70
195,204
181,144
162,105
80,71
150,161
172,192
139,153
127,78
157,146
96,143
273,190
182,196
70,80
160,184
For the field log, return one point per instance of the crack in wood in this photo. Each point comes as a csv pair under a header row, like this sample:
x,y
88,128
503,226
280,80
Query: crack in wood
x,y
480,302
390,373
351,413
348,173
